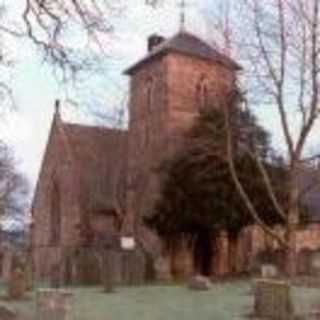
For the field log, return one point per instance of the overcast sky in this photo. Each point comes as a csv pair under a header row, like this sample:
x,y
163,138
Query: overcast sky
x,y
35,88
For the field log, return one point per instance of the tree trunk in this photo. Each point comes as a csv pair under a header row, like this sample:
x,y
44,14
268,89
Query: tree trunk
x,y
291,265
293,220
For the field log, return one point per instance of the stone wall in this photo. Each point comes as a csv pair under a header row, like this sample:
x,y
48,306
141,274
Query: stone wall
x,y
157,122
246,253
254,247
147,139
185,74
6,268
60,174
54,304
309,237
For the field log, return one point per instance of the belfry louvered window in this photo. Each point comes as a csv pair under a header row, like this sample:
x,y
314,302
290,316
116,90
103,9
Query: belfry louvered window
x,y
149,94
202,93
149,109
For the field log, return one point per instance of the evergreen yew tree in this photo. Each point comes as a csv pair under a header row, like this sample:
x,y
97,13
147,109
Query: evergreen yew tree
x,y
197,190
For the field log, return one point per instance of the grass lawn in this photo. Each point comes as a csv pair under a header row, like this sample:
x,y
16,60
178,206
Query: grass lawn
x,y
225,301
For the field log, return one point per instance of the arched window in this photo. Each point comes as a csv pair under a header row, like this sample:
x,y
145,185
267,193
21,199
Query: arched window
x,y
147,132
202,93
148,111
55,215
149,94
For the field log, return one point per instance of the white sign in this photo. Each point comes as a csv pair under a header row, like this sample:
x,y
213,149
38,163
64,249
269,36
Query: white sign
x,y
128,243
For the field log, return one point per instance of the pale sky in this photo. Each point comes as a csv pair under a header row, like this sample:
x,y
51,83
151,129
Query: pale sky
x,y
35,88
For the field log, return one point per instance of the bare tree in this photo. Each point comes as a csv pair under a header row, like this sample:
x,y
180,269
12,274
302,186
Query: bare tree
x,y
14,188
53,24
73,36
70,34
280,43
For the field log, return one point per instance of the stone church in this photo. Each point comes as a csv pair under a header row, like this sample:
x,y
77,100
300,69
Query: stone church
x,y
97,181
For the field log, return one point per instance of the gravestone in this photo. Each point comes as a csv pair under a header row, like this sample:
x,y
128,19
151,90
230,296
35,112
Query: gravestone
x,y
7,313
315,264
163,268
111,275
7,264
88,266
273,300
269,271
200,283
55,278
134,266
111,264
117,267
28,276
17,284
54,304
304,262
134,261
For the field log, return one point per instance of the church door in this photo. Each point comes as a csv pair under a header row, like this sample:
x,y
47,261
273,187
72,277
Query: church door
x,y
203,253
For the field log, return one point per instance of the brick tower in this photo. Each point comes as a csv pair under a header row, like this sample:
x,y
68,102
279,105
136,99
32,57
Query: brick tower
x,y
167,87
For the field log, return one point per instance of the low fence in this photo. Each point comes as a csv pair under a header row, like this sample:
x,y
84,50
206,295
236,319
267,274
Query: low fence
x,y
90,265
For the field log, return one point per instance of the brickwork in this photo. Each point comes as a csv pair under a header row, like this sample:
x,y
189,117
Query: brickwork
x,y
157,125
156,128
253,243
273,300
59,173
73,200
221,257
54,304
166,92
148,135
247,252
182,262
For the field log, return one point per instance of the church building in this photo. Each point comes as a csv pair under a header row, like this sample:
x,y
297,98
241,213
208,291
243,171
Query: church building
x,y
97,183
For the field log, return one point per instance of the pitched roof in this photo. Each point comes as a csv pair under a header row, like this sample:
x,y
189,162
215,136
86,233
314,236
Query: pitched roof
x,y
100,154
188,44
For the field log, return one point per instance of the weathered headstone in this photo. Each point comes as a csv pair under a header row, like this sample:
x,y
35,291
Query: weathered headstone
x,y
17,261
88,266
163,268
200,283
273,300
269,271
7,264
183,263
17,284
134,266
28,276
55,278
117,267
53,304
315,264
6,313
110,272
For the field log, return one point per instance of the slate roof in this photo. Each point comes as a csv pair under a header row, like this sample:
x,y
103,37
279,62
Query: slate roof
x,y
188,44
100,154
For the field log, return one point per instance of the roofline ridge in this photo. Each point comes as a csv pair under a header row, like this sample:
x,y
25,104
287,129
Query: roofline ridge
x,y
60,124
169,45
90,126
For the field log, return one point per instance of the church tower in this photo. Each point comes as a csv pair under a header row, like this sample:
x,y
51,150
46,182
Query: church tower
x,y
168,87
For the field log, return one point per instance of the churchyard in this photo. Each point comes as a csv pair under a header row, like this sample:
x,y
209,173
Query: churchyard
x,y
224,301
179,200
